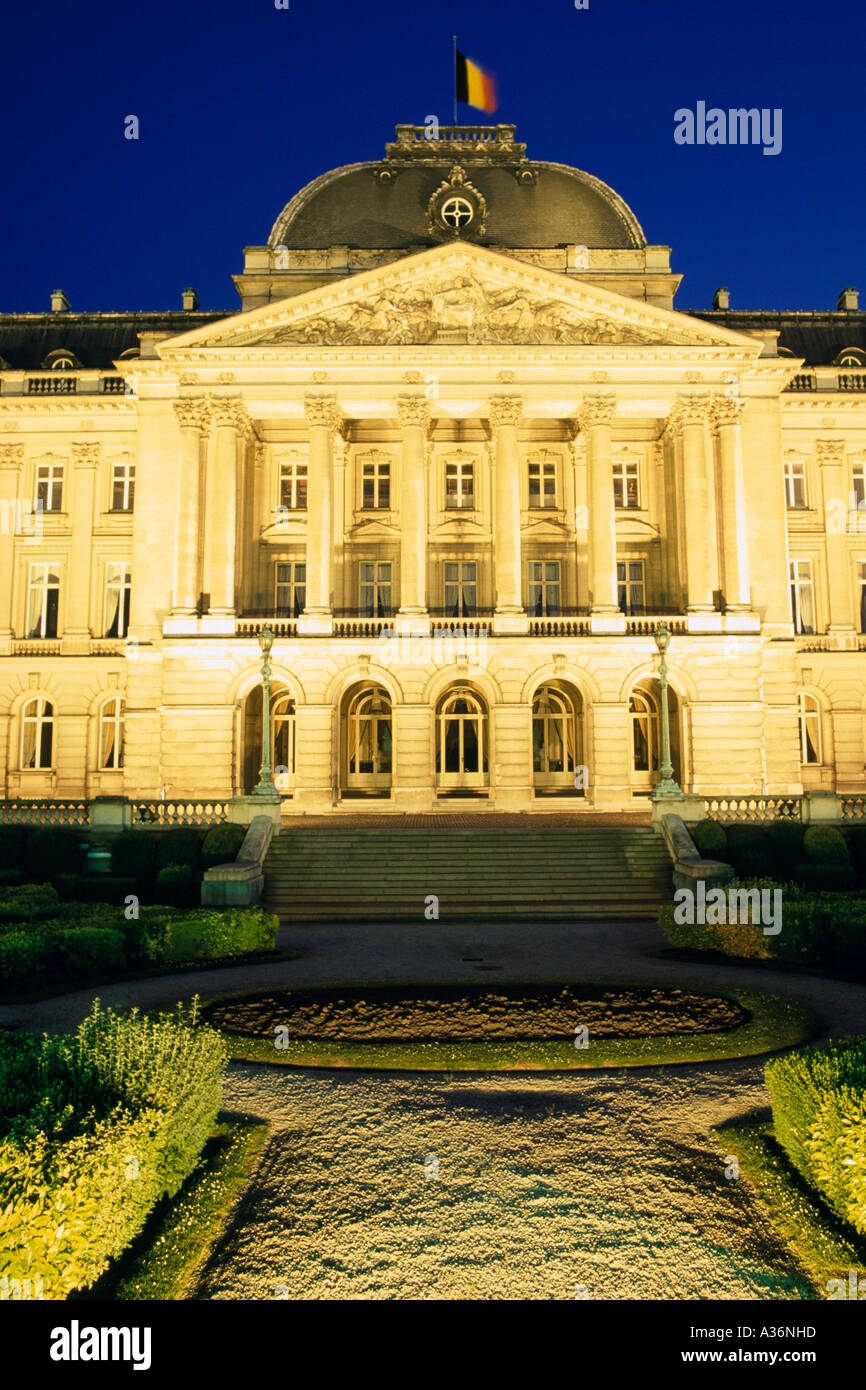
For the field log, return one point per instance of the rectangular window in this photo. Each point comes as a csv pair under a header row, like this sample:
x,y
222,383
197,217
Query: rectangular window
x,y
293,486
544,588
375,589
291,588
795,483
630,586
49,487
802,597
118,590
43,600
376,485
542,484
626,492
461,588
459,484
122,487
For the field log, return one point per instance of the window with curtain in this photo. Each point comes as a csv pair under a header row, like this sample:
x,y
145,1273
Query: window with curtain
x,y
49,487
795,483
118,592
461,588
631,589
291,595
122,486
810,728
459,484
111,727
802,596
544,588
43,600
37,735
375,589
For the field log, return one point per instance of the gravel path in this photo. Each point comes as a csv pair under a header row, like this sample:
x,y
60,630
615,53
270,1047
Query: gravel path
x,y
607,1181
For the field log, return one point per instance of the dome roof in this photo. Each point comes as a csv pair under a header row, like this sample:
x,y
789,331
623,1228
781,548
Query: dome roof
x,y
385,205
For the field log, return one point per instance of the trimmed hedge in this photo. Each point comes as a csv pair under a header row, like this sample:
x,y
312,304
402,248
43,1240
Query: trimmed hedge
x,y
95,888
98,1126
58,941
132,856
52,850
817,928
819,1118
30,902
13,838
207,934
179,846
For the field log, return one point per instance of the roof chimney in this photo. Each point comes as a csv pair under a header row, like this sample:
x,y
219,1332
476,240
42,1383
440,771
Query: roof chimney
x,y
722,298
190,301
59,302
848,300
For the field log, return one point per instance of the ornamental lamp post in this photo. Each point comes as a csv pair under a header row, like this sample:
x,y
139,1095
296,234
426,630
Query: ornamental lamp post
x,y
265,788
665,787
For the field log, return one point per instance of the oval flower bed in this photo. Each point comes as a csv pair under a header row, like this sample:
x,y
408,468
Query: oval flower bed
x,y
519,1027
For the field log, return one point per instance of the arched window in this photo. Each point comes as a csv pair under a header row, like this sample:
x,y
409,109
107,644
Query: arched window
x,y
645,733
810,728
368,739
555,738
283,737
37,735
461,740
111,729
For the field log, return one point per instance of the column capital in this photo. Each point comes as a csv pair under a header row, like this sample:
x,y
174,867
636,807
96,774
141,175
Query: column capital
x,y
689,410
596,410
504,410
322,411
85,455
829,451
228,412
11,455
413,411
726,410
192,414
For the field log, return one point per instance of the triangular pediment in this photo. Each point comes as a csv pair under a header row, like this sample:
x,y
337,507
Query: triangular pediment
x,y
458,294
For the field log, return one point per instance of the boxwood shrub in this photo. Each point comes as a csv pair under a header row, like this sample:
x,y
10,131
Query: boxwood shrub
x,y
825,845
786,847
95,1128
221,844
132,855
819,1118
749,849
206,934
24,960
710,838
89,950
28,902
178,885
95,888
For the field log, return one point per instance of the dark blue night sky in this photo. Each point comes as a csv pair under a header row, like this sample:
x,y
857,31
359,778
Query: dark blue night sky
x,y
240,104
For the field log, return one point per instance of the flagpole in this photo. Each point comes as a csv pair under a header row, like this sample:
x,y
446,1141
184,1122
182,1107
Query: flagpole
x,y
455,79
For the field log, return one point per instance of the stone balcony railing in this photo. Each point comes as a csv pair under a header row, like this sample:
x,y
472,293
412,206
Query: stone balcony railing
x,y
829,379
61,383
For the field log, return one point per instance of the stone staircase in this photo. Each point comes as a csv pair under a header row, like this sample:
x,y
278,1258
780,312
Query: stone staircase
x,y
347,874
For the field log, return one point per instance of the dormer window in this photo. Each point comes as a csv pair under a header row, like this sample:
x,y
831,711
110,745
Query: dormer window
x,y
61,360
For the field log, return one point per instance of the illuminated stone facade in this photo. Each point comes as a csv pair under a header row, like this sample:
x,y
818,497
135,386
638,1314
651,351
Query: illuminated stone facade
x,y
462,455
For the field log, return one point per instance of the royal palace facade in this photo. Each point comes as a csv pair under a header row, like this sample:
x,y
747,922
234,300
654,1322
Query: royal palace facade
x,y
461,455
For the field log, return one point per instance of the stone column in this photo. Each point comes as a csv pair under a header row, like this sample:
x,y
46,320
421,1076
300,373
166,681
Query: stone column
x,y
231,424
193,418
689,416
13,522
727,414
77,630
834,497
322,420
414,416
595,418
510,615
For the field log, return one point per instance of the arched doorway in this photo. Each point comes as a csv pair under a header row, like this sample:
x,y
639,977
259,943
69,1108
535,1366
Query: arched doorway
x,y
282,739
461,741
366,741
645,714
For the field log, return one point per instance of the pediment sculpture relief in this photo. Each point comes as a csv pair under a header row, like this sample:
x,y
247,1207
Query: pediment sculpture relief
x,y
459,309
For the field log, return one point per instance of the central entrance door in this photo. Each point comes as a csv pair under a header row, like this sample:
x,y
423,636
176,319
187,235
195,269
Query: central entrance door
x,y
461,742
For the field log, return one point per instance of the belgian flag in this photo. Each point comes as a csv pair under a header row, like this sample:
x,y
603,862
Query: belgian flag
x,y
475,86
